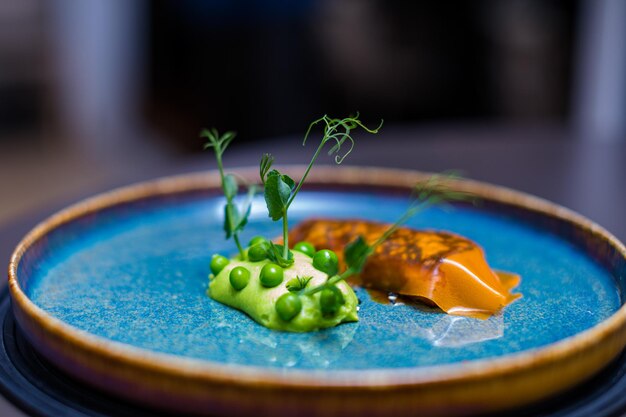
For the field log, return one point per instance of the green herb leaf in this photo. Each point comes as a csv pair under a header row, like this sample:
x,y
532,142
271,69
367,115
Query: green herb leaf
x,y
233,221
276,255
247,209
266,163
298,283
356,253
277,192
231,218
289,181
214,140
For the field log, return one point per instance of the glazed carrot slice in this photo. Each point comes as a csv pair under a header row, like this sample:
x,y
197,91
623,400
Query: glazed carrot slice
x,y
441,268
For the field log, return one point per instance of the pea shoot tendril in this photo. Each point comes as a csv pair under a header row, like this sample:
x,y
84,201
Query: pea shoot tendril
x,y
281,190
234,218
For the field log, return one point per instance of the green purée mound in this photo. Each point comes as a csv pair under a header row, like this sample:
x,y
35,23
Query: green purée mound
x,y
274,296
281,289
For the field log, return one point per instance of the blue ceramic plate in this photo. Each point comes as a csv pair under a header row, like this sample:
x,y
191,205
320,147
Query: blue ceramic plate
x,y
135,272
138,275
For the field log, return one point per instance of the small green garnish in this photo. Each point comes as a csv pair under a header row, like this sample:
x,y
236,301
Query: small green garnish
x,y
234,218
275,254
298,283
355,253
281,190
266,163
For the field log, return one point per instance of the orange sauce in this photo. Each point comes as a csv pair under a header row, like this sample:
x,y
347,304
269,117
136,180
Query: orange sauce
x,y
441,268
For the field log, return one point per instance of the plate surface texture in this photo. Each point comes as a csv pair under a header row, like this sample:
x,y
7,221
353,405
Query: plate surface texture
x,y
113,291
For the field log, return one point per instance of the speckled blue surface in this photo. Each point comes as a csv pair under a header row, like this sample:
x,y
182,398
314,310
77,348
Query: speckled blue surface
x,y
138,275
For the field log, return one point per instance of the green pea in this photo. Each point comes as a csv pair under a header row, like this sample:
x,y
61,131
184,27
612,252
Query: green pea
x,y
256,240
271,275
331,299
239,277
218,262
305,247
258,252
326,261
288,306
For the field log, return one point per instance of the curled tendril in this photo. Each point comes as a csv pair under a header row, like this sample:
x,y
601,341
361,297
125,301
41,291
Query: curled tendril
x,y
312,125
337,147
338,130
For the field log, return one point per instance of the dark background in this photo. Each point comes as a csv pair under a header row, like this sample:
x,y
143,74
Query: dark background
x,y
99,93
268,68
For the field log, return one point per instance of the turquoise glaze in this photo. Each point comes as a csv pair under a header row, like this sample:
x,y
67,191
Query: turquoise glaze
x,y
137,274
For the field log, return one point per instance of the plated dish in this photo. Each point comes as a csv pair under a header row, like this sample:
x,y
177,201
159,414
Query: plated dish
x,y
299,283
112,290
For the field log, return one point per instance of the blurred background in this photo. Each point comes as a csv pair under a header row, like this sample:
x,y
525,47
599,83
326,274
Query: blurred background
x,y
100,93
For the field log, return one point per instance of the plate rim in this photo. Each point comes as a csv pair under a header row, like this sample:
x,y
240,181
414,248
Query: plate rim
x,y
610,332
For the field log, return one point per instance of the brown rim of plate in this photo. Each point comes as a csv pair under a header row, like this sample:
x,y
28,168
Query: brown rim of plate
x,y
203,370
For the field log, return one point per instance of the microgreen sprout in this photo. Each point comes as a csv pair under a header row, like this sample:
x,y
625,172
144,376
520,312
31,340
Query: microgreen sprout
x,y
266,163
234,218
434,191
275,254
281,190
298,283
